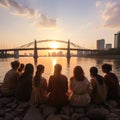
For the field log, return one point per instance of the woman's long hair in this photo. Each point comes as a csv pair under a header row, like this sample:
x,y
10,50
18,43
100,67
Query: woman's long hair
x,y
94,73
37,78
78,73
28,71
57,71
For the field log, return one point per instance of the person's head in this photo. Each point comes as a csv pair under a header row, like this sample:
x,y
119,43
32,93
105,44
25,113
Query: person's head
x,y
40,68
93,71
106,68
78,73
21,68
39,71
15,64
57,69
29,69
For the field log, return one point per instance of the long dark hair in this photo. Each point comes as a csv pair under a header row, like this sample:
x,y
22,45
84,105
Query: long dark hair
x,y
78,73
57,71
94,73
29,69
37,78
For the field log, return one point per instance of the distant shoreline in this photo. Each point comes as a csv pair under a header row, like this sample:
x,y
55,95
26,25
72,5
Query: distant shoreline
x,y
104,56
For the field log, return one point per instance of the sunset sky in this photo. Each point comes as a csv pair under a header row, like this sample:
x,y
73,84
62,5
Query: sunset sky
x,y
81,21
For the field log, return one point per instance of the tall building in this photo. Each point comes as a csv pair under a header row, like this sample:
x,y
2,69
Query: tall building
x,y
117,40
108,46
100,44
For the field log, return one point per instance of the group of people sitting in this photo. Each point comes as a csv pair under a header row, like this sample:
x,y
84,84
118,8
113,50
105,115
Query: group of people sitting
x,y
79,91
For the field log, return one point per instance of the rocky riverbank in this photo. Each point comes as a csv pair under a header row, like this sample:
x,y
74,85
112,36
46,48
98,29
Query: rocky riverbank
x,y
11,109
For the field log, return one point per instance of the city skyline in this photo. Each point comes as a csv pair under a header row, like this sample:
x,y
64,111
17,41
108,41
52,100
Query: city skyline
x,y
83,22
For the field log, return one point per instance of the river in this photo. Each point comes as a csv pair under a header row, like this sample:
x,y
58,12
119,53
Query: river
x,y
67,68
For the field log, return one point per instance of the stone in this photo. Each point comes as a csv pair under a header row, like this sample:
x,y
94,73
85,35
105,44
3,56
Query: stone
x,y
49,110
6,100
2,113
97,114
64,117
9,116
53,117
66,110
33,114
75,116
112,104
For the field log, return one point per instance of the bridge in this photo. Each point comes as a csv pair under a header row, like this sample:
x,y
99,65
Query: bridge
x,y
68,46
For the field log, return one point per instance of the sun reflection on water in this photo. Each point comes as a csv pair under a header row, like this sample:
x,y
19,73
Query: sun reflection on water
x,y
54,61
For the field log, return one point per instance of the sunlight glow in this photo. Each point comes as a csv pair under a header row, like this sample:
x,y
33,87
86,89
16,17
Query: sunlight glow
x,y
54,45
54,61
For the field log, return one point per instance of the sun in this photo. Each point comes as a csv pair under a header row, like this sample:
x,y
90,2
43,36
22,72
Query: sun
x,y
54,45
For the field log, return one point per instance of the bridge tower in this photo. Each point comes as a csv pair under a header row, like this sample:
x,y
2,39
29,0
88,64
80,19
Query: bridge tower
x,y
16,54
35,50
68,50
3,54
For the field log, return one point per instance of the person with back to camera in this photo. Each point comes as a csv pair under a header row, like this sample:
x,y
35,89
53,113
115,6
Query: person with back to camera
x,y
39,86
57,88
80,87
21,68
10,80
24,86
99,89
111,81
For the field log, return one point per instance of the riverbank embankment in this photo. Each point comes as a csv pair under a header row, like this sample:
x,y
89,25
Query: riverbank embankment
x,y
104,56
11,109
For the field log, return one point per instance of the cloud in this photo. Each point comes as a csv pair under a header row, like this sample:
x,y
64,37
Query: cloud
x,y
21,10
98,3
3,3
111,15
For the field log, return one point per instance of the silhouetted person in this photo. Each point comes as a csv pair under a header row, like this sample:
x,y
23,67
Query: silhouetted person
x,y
21,68
111,81
80,88
10,80
57,87
39,86
24,86
99,89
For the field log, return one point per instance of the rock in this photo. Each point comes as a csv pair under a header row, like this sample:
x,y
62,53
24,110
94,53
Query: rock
x,y
33,114
23,105
9,116
64,117
80,110
97,114
2,113
113,115
65,110
85,118
112,104
6,100
75,116
49,110
53,117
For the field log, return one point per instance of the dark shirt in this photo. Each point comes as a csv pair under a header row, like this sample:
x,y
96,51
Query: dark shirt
x,y
24,88
58,88
112,84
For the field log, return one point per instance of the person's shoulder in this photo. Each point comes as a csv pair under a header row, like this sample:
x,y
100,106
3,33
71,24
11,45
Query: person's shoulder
x,y
86,80
43,79
71,78
64,76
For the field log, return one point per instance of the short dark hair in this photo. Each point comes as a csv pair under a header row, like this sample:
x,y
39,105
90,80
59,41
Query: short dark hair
x,y
93,71
15,64
107,67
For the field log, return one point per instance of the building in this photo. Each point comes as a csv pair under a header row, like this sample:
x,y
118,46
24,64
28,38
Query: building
x,y
117,40
100,44
108,46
